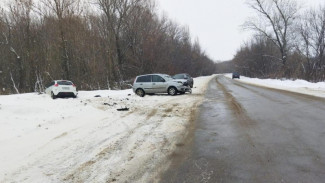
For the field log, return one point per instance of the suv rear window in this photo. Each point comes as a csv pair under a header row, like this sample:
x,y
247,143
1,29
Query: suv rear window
x,y
64,83
144,79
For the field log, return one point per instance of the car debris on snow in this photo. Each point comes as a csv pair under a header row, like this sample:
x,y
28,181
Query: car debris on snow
x,y
123,109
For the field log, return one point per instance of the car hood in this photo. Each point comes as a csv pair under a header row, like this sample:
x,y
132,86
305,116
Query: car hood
x,y
182,80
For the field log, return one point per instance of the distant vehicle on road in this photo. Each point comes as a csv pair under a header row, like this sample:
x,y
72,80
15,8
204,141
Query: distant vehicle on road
x,y
235,75
186,77
159,83
61,88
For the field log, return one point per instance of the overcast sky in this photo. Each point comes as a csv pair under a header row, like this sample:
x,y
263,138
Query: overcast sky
x,y
216,23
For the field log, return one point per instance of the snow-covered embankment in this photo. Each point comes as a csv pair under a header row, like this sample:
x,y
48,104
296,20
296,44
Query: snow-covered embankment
x,y
87,140
297,86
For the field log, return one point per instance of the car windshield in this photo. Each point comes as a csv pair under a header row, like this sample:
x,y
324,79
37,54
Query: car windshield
x,y
179,76
167,77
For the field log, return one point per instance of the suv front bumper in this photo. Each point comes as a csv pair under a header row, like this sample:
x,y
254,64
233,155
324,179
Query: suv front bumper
x,y
184,89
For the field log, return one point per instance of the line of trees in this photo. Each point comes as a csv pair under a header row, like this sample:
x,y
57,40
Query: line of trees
x,y
98,44
289,42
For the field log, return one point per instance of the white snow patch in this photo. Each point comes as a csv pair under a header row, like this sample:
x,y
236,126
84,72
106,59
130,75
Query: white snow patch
x,y
297,86
83,140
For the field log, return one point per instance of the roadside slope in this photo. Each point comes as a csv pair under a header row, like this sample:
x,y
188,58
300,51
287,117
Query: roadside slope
x,y
87,140
297,86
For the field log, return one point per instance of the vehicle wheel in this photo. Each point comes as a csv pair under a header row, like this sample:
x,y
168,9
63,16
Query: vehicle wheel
x,y
239,77
172,91
191,86
140,92
74,96
53,96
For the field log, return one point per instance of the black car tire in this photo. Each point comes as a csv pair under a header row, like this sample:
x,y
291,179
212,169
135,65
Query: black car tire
x,y
140,92
53,96
172,91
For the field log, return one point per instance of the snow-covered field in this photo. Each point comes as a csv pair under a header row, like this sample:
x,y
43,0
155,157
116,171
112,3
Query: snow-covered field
x,y
298,86
87,140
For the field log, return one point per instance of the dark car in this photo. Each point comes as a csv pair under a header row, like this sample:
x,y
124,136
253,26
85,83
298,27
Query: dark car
x,y
186,77
235,75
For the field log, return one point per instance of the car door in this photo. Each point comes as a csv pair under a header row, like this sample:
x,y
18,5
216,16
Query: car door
x,y
145,83
159,84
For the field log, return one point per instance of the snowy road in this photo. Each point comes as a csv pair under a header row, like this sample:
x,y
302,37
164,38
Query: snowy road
x,y
246,133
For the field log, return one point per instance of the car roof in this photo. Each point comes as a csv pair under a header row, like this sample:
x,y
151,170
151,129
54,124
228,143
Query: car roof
x,y
63,80
181,73
152,74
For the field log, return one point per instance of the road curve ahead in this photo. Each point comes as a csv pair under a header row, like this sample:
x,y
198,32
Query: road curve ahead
x,y
251,134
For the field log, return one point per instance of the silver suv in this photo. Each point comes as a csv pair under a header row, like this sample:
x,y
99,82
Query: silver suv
x,y
159,83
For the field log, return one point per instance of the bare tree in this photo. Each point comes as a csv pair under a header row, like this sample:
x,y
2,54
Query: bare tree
x,y
312,33
17,21
275,22
116,12
55,39
63,9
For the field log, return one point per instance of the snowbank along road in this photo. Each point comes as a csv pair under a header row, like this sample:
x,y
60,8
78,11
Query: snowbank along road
x,y
88,140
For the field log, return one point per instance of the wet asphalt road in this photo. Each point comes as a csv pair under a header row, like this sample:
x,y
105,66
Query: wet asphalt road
x,y
245,133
